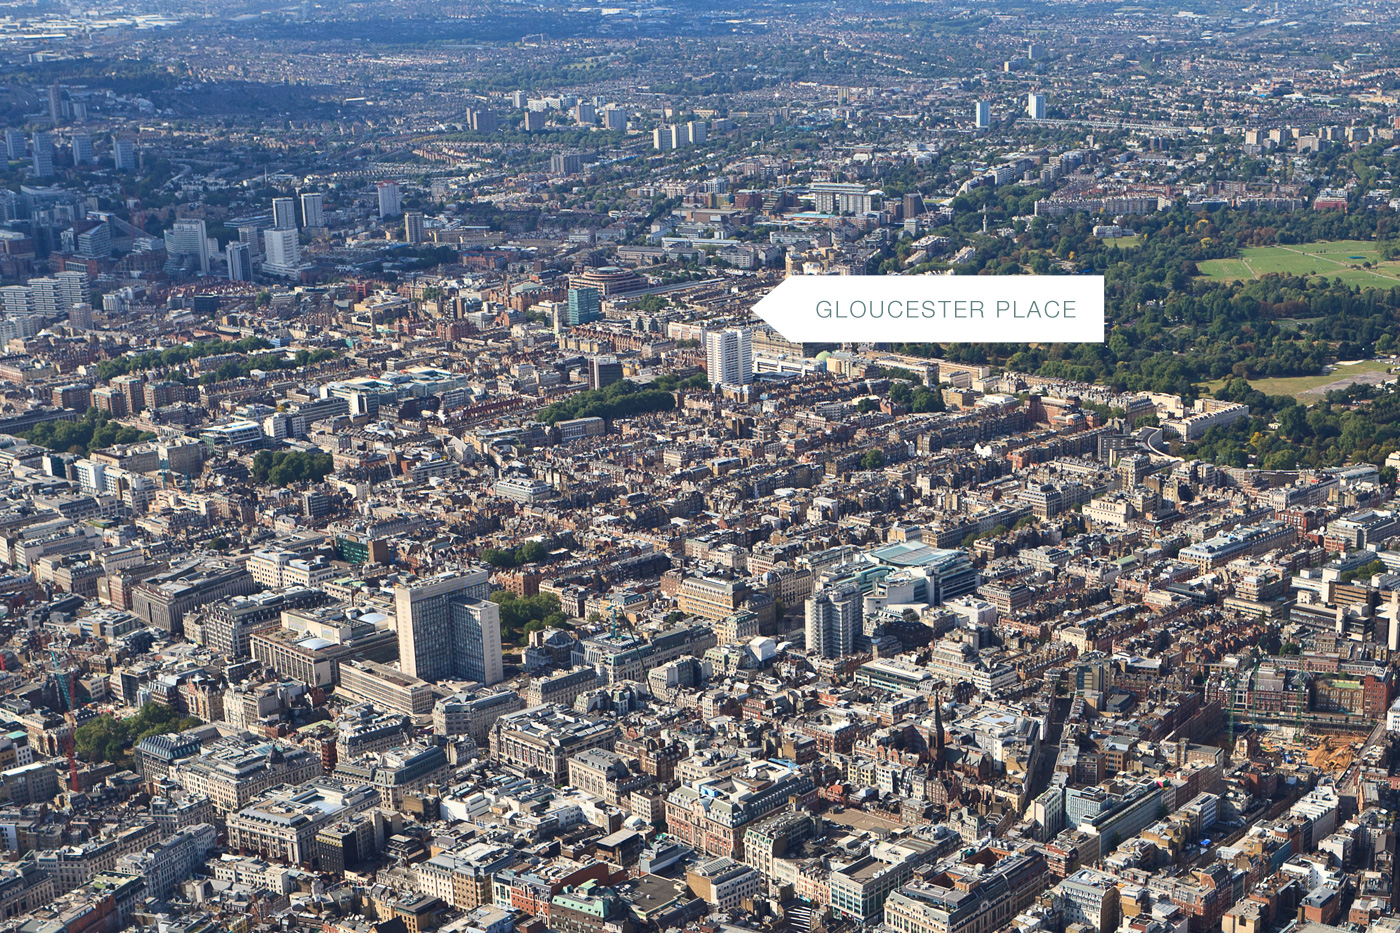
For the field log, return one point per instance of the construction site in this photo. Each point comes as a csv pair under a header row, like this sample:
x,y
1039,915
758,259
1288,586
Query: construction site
x,y
1331,752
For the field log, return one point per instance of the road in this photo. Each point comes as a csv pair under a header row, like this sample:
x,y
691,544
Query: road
x,y
1051,744
1155,438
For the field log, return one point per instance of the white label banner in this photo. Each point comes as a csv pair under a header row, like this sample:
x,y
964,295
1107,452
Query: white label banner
x,y
937,308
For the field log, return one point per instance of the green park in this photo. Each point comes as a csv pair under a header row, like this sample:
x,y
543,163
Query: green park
x,y
1355,262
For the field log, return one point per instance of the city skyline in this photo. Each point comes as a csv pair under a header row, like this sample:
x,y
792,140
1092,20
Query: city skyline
x,y
424,508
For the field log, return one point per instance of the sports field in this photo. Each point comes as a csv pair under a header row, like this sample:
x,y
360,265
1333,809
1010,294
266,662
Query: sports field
x,y
1311,388
1334,259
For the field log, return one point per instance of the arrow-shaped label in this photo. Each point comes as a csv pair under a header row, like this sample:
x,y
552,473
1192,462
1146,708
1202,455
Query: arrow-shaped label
x,y
937,309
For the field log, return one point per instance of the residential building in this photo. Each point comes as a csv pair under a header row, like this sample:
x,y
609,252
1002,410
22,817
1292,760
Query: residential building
x,y
729,357
390,201
834,617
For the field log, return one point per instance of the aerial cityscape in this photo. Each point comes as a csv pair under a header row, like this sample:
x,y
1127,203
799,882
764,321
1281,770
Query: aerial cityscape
x,y
410,526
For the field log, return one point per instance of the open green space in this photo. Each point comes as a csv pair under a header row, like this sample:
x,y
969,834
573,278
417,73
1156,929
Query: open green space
x,y
1341,259
1316,385
1226,269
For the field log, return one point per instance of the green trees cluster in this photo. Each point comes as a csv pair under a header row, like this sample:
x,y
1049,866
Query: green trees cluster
x,y
1171,329
108,738
234,369
1358,424
651,304
521,615
230,369
94,431
996,532
426,257
918,399
176,356
673,383
285,467
894,372
1364,572
506,558
623,399
123,75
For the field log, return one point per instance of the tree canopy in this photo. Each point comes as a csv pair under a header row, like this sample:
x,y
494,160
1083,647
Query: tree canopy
x,y
94,431
176,356
521,615
285,467
506,558
108,738
1360,423
623,399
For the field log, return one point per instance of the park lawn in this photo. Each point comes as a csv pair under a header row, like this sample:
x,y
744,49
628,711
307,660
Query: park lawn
x,y
1298,386
1123,242
1333,259
1226,269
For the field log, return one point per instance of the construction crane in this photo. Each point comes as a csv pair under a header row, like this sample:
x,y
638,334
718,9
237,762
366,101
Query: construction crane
x,y
62,680
613,633
73,783
1249,686
1232,682
1302,689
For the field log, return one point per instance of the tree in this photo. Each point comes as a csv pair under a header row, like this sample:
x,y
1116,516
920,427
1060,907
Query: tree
x,y
623,399
672,383
924,400
286,467
109,739
500,558
1364,572
872,460
506,559
178,356
523,614
94,431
